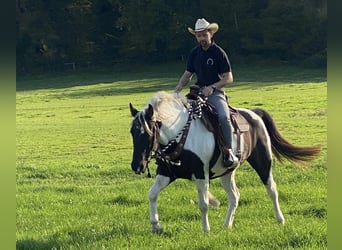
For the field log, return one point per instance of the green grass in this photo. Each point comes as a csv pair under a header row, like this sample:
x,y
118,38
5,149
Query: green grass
x,y
75,188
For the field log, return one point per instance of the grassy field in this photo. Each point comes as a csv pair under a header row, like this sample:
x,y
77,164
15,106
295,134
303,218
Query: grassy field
x,y
75,188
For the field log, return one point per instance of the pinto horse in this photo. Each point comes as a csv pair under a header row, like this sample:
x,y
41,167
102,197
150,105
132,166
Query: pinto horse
x,y
159,129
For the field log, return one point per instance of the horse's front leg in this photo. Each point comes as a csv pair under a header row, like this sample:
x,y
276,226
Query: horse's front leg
x,y
203,202
233,195
160,183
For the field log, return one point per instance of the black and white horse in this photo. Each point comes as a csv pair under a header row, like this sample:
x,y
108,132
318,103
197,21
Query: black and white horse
x,y
158,128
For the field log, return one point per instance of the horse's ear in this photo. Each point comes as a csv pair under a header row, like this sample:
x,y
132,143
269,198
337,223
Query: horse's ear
x,y
149,112
133,110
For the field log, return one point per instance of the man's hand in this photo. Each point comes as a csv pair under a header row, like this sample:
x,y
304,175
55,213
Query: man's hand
x,y
207,91
178,88
185,78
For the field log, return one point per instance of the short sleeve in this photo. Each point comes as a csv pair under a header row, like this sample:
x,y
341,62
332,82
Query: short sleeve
x,y
190,63
224,63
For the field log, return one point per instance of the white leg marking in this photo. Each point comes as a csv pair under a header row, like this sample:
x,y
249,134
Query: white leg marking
x,y
233,195
273,193
203,202
160,183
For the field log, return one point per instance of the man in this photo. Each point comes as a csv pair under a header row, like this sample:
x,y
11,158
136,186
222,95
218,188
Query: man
x,y
211,65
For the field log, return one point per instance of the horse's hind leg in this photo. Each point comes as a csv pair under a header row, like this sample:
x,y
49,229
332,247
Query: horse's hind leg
x,y
271,187
213,201
261,161
160,183
233,195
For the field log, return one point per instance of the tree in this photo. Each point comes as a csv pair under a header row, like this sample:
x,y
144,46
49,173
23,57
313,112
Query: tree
x,y
50,33
36,37
107,35
293,30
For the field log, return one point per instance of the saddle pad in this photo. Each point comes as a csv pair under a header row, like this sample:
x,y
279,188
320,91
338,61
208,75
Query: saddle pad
x,y
238,121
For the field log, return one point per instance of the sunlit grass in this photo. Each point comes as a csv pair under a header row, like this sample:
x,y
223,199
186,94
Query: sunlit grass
x,y
75,188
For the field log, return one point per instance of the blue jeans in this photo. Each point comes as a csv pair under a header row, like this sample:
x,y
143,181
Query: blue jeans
x,y
218,100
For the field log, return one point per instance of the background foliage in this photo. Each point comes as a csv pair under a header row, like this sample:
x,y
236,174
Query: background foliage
x,y
104,32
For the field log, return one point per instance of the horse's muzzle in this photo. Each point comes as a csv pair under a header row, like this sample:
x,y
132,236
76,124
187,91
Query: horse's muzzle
x,y
141,168
140,171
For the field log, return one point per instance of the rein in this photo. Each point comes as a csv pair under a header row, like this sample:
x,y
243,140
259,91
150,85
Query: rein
x,y
152,128
195,112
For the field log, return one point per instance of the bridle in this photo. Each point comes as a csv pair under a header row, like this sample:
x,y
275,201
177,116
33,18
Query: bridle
x,y
152,128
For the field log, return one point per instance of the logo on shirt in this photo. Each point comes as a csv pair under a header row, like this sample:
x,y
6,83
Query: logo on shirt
x,y
210,61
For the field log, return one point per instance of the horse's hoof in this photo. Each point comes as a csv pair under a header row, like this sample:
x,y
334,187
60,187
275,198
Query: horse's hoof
x,y
281,221
215,203
228,226
157,229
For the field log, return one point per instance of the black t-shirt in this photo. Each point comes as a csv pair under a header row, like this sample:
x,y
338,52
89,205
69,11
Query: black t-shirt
x,y
208,64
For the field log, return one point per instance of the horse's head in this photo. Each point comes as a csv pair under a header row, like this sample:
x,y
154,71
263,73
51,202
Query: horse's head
x,y
144,132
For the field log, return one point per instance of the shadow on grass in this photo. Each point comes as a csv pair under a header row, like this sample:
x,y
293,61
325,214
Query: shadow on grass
x,y
150,77
311,212
123,88
124,201
95,76
31,244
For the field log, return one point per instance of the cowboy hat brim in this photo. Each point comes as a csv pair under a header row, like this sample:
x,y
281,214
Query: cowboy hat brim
x,y
212,27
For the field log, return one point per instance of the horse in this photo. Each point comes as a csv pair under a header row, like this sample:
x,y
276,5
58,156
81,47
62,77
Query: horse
x,y
160,128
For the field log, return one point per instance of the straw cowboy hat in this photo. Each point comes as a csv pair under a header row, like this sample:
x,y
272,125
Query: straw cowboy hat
x,y
202,24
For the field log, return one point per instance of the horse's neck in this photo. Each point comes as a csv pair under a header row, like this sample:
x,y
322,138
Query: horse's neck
x,y
172,127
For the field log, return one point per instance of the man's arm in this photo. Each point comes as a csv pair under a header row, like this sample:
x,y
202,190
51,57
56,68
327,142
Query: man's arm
x,y
185,78
227,78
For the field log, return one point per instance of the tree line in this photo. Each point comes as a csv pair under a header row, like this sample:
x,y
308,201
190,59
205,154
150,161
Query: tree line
x,y
52,35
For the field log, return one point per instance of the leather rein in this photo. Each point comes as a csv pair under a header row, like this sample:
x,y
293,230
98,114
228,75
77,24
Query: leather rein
x,y
172,159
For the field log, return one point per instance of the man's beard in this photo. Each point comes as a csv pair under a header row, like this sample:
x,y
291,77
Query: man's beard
x,y
204,44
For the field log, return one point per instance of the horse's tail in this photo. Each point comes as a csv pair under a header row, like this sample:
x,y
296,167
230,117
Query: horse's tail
x,y
281,147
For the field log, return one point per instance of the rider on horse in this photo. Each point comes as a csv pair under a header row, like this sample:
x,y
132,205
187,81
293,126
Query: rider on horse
x,y
211,65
